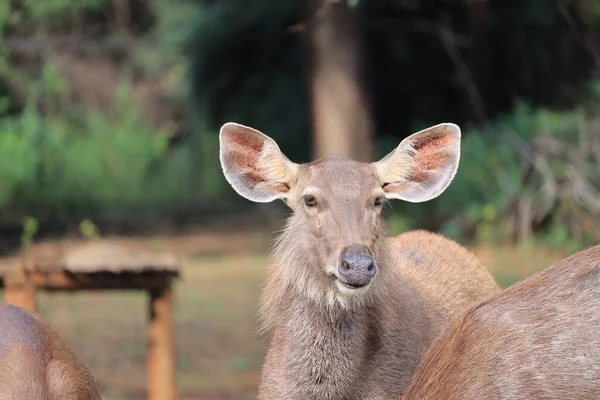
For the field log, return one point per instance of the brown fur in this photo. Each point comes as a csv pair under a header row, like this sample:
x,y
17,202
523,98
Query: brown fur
x,y
539,339
36,364
369,350
331,342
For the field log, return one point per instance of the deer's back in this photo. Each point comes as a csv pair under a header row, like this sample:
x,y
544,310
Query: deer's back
x,y
447,277
538,339
36,364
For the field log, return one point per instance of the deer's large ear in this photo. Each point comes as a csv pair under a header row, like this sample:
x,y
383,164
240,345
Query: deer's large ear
x,y
422,166
253,164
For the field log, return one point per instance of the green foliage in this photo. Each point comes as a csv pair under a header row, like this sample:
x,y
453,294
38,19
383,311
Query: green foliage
x,y
30,228
37,9
398,223
45,8
62,163
15,13
111,167
176,21
496,180
5,13
89,230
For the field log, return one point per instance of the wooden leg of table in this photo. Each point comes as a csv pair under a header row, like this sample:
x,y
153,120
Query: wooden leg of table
x,y
161,362
20,290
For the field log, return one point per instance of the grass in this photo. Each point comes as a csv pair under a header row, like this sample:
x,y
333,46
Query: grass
x,y
219,354
510,264
218,351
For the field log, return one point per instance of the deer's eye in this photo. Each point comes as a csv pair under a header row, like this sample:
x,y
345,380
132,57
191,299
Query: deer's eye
x,y
310,200
378,201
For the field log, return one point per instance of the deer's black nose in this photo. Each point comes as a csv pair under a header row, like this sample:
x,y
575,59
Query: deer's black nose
x,y
357,267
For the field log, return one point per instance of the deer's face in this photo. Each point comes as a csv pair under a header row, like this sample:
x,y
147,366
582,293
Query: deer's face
x,y
337,202
337,207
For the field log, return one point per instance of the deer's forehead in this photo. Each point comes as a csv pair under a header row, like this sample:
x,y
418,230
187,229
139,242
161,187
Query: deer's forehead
x,y
339,175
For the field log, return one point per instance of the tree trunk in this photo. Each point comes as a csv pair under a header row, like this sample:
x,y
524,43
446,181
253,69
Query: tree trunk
x,y
481,58
340,106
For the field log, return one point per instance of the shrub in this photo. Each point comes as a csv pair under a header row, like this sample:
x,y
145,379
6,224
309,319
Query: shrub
x,y
114,168
532,172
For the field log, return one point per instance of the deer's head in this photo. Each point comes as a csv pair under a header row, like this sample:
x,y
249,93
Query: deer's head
x,y
336,227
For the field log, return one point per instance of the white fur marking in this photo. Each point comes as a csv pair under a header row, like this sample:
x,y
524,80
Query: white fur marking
x,y
349,291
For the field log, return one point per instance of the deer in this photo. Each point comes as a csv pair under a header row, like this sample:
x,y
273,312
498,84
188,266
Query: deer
x,y
351,310
537,339
36,364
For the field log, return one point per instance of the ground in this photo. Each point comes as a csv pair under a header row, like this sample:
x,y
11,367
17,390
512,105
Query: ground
x,y
219,353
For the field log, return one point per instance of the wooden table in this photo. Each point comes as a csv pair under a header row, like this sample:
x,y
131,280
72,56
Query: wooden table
x,y
102,266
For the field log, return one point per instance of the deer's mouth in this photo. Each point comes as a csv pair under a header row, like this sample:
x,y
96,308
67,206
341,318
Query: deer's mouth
x,y
350,287
353,286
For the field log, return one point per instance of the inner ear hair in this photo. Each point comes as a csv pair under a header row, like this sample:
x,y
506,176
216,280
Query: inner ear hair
x,y
276,166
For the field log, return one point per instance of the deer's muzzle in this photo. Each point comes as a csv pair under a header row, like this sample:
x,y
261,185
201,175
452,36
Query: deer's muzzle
x,y
357,268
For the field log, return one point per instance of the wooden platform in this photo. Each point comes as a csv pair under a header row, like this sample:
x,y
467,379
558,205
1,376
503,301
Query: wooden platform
x,y
106,266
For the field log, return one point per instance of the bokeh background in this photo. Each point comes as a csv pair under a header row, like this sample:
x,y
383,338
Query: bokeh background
x,y
109,119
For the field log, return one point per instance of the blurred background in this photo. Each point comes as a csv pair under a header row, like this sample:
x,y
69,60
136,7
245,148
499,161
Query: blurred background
x,y
109,120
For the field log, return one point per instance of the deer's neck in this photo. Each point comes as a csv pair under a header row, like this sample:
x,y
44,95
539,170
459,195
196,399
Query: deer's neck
x,y
324,350
328,345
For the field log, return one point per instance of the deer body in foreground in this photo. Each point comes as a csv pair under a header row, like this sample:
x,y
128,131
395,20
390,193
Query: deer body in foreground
x,y
36,364
538,339
351,310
